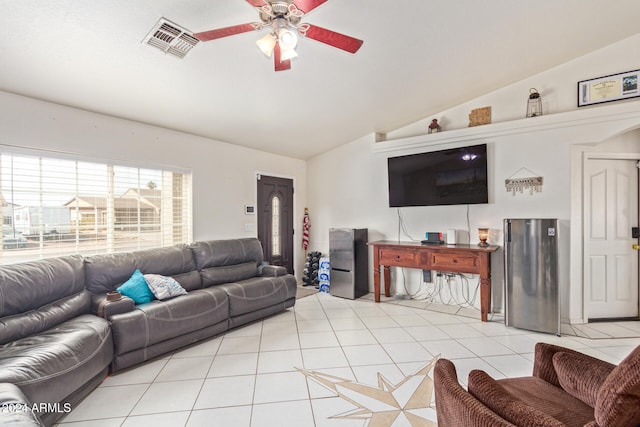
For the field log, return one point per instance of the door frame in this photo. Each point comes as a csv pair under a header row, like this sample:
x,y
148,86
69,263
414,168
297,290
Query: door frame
x,y
586,286
296,230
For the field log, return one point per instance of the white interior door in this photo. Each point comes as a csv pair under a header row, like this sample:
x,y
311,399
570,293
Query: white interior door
x,y
611,263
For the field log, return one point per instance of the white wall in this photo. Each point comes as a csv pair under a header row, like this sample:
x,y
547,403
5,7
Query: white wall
x,y
223,174
348,186
557,86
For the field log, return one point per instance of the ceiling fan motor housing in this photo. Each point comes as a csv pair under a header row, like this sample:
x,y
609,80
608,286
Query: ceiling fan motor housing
x,y
280,10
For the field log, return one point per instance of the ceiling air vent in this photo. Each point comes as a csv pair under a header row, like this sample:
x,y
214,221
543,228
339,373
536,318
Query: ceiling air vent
x,y
171,38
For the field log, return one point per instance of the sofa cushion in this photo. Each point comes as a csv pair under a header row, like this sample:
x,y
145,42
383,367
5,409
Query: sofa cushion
x,y
228,273
549,399
15,408
157,321
174,261
42,318
164,287
618,402
38,295
216,253
258,292
136,288
30,285
51,365
223,261
495,397
571,368
104,273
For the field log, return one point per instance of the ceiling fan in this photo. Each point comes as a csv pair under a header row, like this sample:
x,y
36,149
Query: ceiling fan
x,y
283,18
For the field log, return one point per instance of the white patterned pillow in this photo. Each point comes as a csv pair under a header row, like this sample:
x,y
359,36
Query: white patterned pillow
x,y
164,287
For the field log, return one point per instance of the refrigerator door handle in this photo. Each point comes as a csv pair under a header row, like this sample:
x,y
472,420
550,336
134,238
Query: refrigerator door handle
x,y
508,236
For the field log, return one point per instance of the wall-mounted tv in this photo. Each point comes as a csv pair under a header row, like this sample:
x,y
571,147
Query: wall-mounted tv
x,y
456,176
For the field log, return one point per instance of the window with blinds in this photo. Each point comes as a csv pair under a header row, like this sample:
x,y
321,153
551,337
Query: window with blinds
x,y
53,207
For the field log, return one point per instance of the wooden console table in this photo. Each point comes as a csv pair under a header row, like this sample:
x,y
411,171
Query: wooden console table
x,y
449,258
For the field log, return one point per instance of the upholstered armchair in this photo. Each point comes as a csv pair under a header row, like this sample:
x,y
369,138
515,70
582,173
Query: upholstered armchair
x,y
567,388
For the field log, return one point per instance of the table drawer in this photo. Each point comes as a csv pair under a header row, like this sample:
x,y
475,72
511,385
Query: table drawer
x,y
455,262
399,257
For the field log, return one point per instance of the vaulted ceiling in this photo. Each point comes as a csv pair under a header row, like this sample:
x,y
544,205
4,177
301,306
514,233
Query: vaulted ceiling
x,y
419,57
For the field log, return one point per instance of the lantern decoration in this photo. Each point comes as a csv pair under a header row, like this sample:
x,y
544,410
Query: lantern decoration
x,y
534,104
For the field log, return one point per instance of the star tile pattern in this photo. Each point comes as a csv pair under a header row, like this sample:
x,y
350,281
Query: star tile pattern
x,y
387,405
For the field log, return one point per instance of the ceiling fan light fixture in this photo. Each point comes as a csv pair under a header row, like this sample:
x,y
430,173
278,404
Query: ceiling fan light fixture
x,y
288,39
267,43
286,54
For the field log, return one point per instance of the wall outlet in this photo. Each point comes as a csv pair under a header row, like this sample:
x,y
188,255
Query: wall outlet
x,y
426,276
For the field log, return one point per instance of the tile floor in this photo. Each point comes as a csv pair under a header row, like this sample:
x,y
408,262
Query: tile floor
x,y
269,373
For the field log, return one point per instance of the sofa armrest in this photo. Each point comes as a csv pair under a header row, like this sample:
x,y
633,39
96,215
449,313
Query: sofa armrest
x,y
15,409
272,271
455,406
101,307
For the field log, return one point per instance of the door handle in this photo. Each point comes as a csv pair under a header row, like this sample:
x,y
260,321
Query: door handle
x,y
635,247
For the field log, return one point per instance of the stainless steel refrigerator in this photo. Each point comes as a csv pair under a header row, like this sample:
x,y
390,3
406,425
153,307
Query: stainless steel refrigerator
x,y
531,274
349,260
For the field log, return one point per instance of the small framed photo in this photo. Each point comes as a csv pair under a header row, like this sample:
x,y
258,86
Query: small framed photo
x,y
608,88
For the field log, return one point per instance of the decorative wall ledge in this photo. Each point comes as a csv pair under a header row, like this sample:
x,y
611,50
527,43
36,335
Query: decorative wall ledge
x,y
607,118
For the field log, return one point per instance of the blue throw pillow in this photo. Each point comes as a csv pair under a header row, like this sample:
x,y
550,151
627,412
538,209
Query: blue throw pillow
x,y
136,288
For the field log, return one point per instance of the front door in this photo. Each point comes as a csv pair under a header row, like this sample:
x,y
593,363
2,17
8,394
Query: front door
x,y
611,263
275,220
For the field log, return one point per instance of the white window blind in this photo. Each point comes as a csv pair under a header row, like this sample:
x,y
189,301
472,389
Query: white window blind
x,y
53,207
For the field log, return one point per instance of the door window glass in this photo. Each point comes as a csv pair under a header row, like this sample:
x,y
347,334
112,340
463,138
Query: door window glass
x,y
275,225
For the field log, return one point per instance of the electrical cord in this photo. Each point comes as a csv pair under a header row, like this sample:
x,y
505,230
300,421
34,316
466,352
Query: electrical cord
x,y
428,294
471,301
402,227
448,295
468,225
468,300
402,230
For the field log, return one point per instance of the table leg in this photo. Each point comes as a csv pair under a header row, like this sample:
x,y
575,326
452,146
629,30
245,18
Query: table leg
x,y
376,283
485,286
485,299
387,281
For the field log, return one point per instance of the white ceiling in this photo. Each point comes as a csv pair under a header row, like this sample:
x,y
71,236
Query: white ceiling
x,y
419,57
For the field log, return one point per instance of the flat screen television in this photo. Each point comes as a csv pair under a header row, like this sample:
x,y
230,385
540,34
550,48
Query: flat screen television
x,y
456,176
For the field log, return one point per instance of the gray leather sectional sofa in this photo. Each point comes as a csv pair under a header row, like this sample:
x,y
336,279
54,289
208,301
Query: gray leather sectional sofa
x,y
60,334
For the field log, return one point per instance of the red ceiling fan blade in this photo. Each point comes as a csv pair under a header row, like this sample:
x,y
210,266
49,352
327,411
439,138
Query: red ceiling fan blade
x,y
226,32
307,5
331,38
280,65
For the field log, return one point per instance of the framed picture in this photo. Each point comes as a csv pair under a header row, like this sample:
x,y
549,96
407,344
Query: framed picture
x,y
608,88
